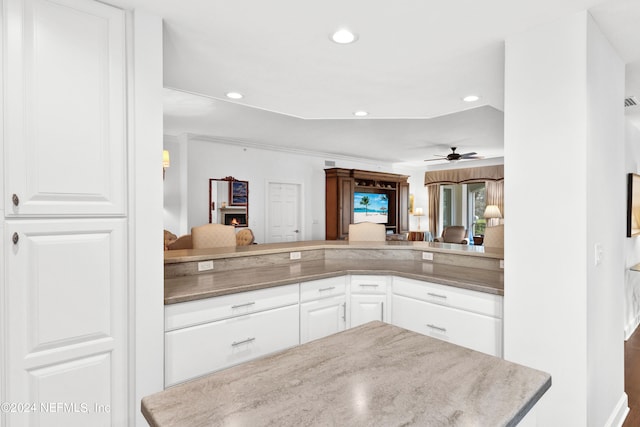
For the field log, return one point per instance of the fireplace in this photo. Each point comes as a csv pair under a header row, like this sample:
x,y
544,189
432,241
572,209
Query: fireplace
x,y
237,219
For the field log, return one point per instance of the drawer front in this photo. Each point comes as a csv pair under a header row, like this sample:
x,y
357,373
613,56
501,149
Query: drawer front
x,y
195,351
323,288
471,330
368,284
450,296
206,310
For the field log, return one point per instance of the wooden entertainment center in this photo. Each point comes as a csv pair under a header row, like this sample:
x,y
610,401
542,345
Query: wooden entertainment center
x,y
341,184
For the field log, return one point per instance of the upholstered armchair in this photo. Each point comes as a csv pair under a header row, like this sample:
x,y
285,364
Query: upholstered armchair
x,y
494,236
453,234
213,236
245,237
367,232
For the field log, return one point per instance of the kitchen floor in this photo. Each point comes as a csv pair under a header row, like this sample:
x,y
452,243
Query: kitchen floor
x,y
632,378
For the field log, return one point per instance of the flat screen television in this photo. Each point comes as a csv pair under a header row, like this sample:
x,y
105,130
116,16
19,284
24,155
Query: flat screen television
x,y
633,205
370,207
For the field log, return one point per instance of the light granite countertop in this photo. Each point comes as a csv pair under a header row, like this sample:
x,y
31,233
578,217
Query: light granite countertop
x,y
372,375
188,288
190,255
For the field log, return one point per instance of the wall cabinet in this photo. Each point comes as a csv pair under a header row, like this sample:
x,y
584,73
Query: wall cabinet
x,y
463,317
340,185
323,308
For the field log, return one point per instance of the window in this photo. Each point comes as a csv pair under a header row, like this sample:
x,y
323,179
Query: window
x,y
463,204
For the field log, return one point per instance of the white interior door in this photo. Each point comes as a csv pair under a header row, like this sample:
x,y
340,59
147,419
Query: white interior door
x,y
284,207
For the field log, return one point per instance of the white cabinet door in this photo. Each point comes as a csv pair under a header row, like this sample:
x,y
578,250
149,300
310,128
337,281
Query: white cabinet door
x,y
198,350
366,308
471,330
66,311
322,317
64,108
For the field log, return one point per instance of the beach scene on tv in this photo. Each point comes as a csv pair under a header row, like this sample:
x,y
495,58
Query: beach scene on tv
x,y
370,207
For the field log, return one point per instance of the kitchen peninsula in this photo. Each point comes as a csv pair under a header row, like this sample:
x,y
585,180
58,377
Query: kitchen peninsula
x,y
228,306
373,375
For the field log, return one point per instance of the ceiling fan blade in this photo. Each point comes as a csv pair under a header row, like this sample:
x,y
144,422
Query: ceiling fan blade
x,y
435,160
473,153
472,157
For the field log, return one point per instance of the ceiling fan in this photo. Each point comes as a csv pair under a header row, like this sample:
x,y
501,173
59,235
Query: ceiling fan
x,y
454,157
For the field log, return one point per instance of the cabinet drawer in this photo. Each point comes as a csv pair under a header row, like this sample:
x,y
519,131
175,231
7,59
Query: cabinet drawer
x,y
323,288
368,284
198,350
192,313
450,296
471,330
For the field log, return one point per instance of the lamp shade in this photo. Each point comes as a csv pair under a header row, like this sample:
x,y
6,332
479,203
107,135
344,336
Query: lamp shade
x,y
166,162
492,211
418,212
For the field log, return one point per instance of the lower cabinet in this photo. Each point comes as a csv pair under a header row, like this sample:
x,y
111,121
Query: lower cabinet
x,y
198,350
207,335
467,318
366,308
368,300
323,317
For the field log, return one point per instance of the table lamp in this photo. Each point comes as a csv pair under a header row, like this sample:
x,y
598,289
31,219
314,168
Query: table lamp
x,y
492,212
418,212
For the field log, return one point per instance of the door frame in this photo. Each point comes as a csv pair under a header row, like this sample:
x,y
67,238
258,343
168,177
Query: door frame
x,y
267,213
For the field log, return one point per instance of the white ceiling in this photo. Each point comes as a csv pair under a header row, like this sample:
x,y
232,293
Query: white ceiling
x,y
413,62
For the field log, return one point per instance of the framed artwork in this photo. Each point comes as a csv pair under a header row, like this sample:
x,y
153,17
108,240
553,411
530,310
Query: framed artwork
x,y
238,193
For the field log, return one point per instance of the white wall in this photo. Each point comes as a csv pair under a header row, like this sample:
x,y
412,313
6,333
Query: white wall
x,y
202,158
606,227
632,245
145,200
563,91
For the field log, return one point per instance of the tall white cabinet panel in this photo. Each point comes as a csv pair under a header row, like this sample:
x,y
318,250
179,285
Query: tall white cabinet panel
x,y
67,288
64,108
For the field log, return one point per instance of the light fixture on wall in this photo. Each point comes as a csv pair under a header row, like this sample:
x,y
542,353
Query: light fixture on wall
x,y
492,212
166,161
418,212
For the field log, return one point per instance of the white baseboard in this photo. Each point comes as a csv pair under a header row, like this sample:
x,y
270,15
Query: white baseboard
x,y
619,413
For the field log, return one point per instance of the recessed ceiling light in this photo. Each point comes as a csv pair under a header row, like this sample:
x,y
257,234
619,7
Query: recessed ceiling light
x,y
234,95
344,36
360,113
471,98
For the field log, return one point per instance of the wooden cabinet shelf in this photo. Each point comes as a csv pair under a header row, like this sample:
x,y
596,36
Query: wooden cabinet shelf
x,y
341,184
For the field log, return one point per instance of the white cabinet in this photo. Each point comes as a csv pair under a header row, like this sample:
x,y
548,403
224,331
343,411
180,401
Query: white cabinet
x,y
67,284
198,350
368,299
65,145
463,317
366,308
323,308
66,287
207,335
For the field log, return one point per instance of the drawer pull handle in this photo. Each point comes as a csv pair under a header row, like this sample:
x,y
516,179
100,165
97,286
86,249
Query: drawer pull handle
x,y
243,305
236,343
431,294
364,285
15,238
15,199
438,328
326,289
